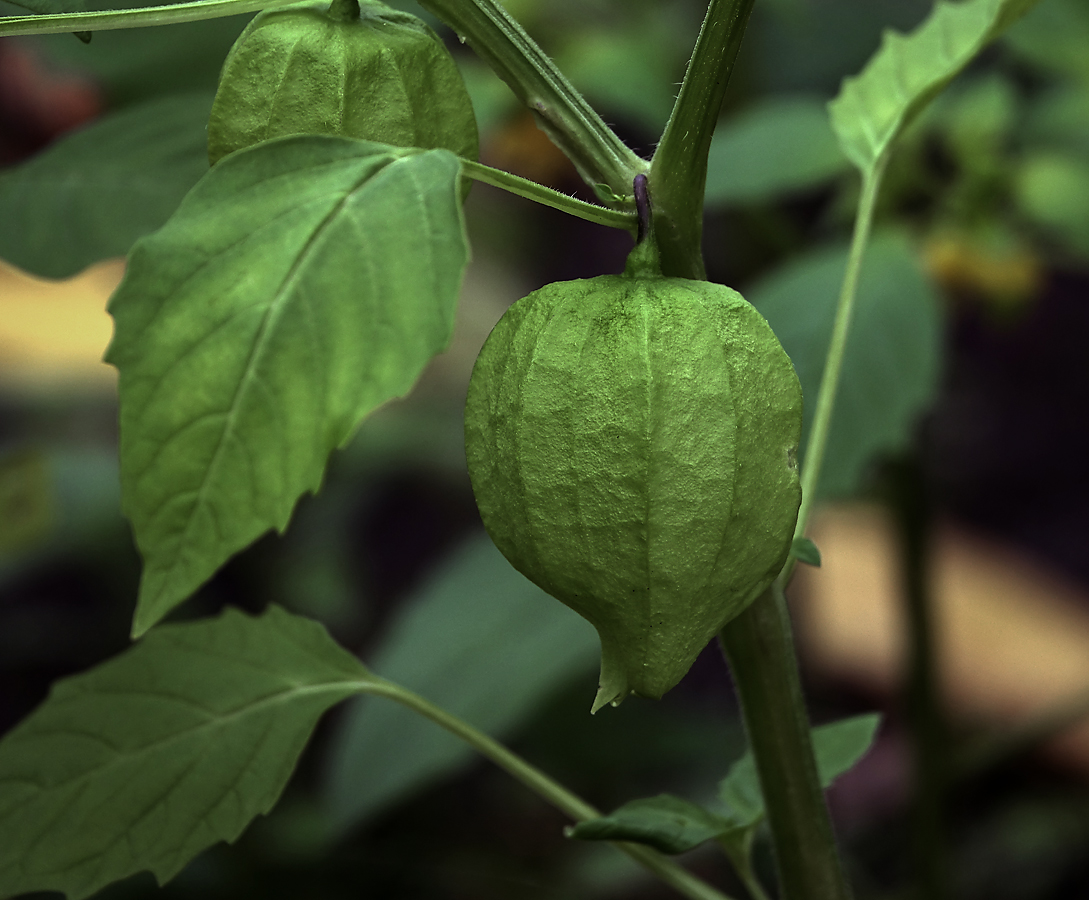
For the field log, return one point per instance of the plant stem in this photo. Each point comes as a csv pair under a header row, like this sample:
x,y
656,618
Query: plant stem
x,y
833,366
538,782
562,112
741,859
923,700
531,190
678,172
142,17
760,650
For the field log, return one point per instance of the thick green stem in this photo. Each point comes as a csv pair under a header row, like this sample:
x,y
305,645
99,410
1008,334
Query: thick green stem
x,y
760,650
837,348
142,17
678,172
531,190
562,112
537,781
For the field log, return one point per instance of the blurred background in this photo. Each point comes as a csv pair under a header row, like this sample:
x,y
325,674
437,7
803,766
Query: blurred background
x,y
954,590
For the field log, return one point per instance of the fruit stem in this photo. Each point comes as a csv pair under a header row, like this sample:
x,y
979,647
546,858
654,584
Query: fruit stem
x,y
344,10
678,171
665,869
759,647
642,206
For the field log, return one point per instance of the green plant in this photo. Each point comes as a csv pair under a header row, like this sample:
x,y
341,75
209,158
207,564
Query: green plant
x,y
248,351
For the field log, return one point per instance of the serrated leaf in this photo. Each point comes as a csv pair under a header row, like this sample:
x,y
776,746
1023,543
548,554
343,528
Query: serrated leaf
x,y
481,641
179,742
891,366
908,71
302,283
805,551
666,823
776,146
836,746
91,194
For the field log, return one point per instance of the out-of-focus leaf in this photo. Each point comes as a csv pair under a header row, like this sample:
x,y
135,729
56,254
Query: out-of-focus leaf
x,y
892,358
802,45
626,72
665,822
1059,119
907,72
300,285
479,640
836,746
777,146
26,501
977,117
1054,36
90,195
47,7
144,761
1053,190
136,64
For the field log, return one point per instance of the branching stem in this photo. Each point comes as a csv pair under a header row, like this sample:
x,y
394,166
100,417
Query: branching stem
x,y
562,112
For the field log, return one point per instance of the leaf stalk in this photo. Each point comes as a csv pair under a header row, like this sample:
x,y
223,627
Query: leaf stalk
x,y
531,190
837,349
541,784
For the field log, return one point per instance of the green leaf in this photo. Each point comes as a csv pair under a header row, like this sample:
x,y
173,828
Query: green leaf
x,y
805,551
777,146
90,195
479,640
892,360
301,284
47,7
179,742
666,823
1053,37
137,64
625,70
837,747
907,72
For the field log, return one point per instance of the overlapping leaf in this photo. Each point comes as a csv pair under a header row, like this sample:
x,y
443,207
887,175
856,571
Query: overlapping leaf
x,y
674,825
873,107
90,195
301,284
480,640
836,746
777,146
146,760
891,366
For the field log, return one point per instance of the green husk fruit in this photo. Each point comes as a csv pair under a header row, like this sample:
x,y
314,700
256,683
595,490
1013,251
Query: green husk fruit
x,y
359,70
632,446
